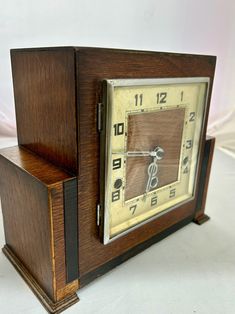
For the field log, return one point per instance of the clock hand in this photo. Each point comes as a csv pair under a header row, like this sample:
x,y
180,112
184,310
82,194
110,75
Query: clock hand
x,y
152,170
152,178
157,153
141,153
135,153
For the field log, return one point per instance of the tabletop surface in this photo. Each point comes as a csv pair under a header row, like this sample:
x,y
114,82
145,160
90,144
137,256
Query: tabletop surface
x,y
191,271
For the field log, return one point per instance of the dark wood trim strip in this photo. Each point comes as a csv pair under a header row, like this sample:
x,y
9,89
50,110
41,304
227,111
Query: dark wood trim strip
x,y
71,229
203,174
87,278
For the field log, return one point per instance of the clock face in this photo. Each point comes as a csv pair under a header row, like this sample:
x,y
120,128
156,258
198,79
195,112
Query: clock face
x,y
151,148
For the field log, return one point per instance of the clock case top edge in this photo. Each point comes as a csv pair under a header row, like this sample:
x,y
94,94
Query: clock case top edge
x,y
108,49
155,81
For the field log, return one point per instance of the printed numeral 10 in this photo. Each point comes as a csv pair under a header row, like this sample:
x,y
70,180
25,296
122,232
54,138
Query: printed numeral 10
x,y
118,128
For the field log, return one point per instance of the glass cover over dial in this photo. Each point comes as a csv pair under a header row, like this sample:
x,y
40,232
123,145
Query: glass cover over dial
x,y
152,139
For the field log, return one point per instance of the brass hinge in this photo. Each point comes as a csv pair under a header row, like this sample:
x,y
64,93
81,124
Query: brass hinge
x,y
99,116
98,214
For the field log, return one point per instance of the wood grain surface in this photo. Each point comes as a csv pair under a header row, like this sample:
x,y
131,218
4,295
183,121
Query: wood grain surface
x,y
26,222
45,96
93,65
37,167
56,108
32,197
146,132
53,307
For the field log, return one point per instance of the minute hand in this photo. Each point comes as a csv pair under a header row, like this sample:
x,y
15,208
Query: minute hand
x,y
137,153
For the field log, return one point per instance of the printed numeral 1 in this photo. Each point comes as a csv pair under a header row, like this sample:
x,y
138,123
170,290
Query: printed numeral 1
x,y
182,96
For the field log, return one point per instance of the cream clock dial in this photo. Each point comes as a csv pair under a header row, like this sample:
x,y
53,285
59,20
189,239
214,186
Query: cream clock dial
x,y
152,139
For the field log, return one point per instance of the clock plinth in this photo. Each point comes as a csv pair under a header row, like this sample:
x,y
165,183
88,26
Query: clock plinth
x,y
51,188
50,305
201,219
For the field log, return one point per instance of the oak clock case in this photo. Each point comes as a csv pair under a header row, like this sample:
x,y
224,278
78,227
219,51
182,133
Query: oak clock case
x,y
150,149
112,158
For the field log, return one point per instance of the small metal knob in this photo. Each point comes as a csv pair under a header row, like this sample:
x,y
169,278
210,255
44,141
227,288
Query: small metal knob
x,y
159,153
118,183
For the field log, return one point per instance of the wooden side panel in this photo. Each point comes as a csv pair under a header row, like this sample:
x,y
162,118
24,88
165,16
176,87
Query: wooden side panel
x,y
33,203
26,222
44,89
94,65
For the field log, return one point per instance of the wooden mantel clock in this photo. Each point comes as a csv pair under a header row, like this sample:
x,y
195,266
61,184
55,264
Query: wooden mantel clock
x,y
112,157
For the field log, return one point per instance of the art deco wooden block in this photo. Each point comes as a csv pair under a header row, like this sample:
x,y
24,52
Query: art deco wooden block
x,y
112,157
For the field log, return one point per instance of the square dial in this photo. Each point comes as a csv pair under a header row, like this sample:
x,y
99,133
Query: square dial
x,y
152,140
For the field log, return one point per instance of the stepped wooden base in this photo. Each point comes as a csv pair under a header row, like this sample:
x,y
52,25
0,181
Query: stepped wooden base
x,y
50,306
201,219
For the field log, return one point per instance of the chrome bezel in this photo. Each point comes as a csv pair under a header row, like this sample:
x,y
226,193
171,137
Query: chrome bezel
x,y
110,84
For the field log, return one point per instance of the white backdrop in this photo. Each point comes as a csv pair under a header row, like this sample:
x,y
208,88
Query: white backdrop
x,y
189,26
